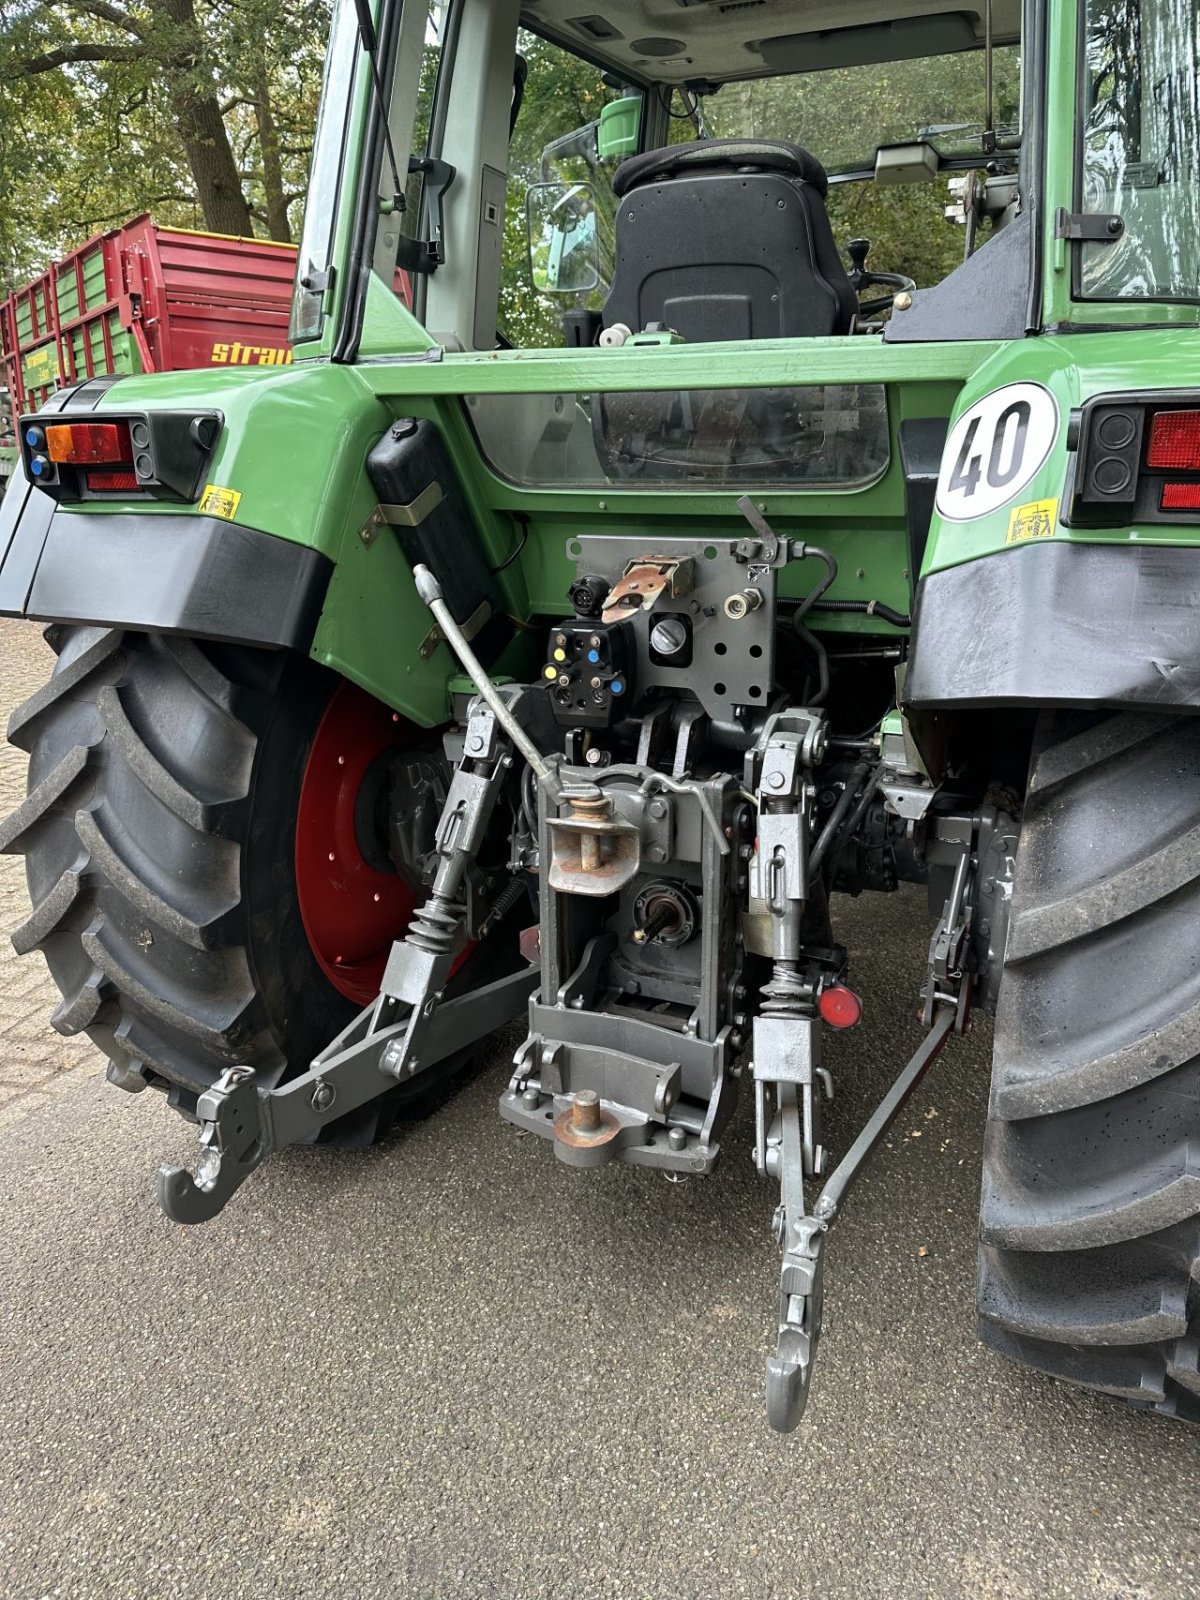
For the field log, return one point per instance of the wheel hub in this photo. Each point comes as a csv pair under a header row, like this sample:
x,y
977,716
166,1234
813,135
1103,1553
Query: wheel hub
x,y
352,903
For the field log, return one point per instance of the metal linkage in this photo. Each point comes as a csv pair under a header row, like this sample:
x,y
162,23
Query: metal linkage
x,y
409,1029
802,1234
787,1070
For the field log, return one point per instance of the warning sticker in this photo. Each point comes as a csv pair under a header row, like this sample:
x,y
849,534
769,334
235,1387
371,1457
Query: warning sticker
x,y
218,502
1037,520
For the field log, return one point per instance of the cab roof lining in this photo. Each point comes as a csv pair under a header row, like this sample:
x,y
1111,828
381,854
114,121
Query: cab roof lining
x,y
677,41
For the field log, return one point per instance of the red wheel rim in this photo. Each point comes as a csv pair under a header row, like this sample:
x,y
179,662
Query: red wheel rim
x,y
351,911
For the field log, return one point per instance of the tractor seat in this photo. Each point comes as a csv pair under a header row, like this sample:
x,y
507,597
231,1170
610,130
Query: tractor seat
x,y
727,239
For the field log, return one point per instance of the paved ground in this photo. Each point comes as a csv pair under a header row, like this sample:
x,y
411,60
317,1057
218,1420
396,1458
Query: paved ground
x,y
36,1062
454,1368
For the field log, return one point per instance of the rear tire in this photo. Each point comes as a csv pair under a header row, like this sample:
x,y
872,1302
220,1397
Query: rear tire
x,y
159,833
1091,1193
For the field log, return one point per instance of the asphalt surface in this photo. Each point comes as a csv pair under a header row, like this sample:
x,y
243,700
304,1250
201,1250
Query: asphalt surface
x,y
454,1367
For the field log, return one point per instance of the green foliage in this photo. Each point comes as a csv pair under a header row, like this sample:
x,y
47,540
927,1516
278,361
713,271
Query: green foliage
x,y
90,93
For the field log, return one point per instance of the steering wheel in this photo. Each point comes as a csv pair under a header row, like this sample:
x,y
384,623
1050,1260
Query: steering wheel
x,y
860,277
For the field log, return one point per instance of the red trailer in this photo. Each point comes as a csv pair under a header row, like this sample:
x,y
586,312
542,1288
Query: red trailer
x,y
144,298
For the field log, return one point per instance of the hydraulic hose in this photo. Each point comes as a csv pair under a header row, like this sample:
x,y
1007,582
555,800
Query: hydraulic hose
x,y
867,608
831,829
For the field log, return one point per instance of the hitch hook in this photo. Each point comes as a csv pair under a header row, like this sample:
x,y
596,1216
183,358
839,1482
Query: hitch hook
x,y
232,1147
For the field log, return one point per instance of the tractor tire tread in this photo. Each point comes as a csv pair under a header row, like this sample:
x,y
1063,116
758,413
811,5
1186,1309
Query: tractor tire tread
x,y
1090,1216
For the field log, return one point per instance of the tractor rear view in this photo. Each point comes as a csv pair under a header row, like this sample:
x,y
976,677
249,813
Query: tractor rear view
x,y
634,561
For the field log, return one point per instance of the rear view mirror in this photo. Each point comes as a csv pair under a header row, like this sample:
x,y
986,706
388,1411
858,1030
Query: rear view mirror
x,y
564,255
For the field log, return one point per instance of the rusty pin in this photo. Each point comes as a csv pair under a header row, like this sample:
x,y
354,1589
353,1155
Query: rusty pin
x,y
585,1112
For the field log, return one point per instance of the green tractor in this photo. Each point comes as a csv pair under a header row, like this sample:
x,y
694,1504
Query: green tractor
x,y
559,648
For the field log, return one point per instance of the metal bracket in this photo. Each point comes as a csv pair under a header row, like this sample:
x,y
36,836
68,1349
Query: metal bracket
x,y
473,626
1088,227
644,582
408,516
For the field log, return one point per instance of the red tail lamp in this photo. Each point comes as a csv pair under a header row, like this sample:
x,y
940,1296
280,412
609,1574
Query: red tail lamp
x,y
107,481
1180,497
840,1007
86,444
1174,444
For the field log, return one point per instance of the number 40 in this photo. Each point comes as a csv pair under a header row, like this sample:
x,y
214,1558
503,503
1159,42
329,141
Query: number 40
x,y
1010,434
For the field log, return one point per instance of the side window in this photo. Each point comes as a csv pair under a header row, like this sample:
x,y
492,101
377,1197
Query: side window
x,y
1139,148
559,233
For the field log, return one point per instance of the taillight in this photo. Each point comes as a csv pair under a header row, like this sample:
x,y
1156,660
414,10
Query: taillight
x,y
1174,441
1137,460
164,454
81,444
1180,497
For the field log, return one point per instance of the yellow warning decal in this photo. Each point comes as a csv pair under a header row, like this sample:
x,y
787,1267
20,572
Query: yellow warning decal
x,y
1037,520
218,502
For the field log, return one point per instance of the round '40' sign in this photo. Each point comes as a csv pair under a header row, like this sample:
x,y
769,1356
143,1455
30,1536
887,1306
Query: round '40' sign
x,y
994,449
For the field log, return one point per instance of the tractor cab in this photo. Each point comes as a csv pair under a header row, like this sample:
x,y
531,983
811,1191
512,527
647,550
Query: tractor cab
x,y
723,182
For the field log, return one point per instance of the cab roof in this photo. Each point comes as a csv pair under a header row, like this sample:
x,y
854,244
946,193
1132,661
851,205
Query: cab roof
x,y
681,41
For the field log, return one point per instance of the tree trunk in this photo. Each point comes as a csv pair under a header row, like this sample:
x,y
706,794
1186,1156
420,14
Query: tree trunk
x,y
278,225
201,127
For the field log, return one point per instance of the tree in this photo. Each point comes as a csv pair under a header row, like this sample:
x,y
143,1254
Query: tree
x,y
200,110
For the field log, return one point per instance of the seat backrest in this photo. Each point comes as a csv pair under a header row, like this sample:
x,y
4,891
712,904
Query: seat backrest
x,y
727,239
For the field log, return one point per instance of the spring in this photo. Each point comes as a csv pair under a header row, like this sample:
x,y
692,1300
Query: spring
x,y
511,896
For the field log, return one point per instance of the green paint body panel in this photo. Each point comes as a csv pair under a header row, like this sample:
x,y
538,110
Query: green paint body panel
x,y
1073,368
296,440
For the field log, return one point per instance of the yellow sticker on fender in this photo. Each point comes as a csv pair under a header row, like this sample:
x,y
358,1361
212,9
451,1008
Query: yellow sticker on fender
x,y
1037,520
218,502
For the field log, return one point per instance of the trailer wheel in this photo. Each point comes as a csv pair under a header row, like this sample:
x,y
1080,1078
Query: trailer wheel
x,y
1091,1192
198,889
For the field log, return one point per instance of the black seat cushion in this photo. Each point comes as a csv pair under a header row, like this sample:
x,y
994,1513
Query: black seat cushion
x,y
755,155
